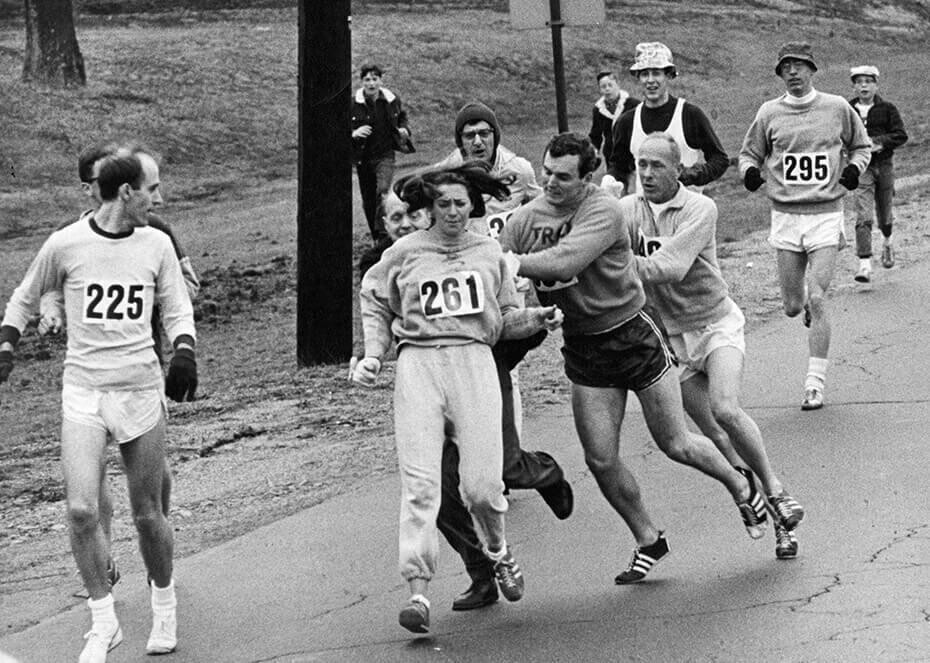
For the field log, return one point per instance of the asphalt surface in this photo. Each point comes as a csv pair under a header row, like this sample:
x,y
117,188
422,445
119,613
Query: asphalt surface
x,y
323,585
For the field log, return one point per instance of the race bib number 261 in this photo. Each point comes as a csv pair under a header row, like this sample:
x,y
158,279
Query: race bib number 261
x,y
459,293
802,168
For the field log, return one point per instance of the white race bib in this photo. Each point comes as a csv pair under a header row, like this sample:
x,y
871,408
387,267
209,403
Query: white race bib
x,y
804,168
460,293
112,304
496,223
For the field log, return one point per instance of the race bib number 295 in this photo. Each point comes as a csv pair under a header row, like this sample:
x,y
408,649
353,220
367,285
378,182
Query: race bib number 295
x,y
112,303
802,168
459,293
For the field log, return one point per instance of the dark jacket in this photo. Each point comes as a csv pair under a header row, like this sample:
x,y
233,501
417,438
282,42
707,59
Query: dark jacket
x,y
602,123
884,126
396,118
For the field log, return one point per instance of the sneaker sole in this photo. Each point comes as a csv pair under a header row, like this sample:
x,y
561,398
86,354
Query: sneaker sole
x,y
811,406
159,651
412,620
861,279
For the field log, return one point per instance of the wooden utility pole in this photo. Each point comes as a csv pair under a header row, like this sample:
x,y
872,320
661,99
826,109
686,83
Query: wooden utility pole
x,y
324,173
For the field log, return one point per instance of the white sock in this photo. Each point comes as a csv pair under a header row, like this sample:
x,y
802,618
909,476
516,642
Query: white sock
x,y
103,613
496,556
865,262
419,598
163,598
816,372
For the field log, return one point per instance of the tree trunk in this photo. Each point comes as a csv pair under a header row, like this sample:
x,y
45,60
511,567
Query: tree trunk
x,y
52,52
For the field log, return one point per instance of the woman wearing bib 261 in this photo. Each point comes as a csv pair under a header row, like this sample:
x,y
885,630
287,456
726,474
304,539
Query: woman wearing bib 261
x,y
446,296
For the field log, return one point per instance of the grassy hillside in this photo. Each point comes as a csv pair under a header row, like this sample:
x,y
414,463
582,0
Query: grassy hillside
x,y
215,91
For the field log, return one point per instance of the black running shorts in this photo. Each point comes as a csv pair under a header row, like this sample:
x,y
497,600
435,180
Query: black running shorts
x,y
633,356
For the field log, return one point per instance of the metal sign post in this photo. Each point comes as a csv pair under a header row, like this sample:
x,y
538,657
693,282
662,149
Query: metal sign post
x,y
555,14
558,62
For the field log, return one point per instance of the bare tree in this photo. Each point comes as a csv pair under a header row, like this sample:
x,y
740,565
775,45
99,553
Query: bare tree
x,y
52,52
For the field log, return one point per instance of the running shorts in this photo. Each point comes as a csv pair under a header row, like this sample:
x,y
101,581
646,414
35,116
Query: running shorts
x,y
803,233
692,348
633,356
125,415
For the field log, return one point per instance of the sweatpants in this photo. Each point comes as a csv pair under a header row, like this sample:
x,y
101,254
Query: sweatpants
x,y
457,384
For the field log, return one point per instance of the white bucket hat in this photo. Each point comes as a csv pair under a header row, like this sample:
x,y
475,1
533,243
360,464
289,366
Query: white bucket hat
x,y
864,70
653,55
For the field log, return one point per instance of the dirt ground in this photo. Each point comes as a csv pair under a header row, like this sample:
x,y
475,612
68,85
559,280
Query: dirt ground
x,y
262,443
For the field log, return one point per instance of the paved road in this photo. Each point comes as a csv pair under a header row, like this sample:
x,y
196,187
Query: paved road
x,y
322,585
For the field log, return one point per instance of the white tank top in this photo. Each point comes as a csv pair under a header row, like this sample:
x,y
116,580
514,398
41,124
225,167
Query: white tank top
x,y
676,129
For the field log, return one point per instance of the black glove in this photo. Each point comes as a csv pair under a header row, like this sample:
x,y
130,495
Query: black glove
x,y
850,177
6,365
752,180
182,376
511,352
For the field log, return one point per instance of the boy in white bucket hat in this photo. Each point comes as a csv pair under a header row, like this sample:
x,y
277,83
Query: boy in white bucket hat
x,y
876,186
702,153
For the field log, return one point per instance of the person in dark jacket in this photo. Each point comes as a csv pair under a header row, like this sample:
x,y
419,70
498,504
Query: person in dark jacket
x,y
612,103
379,128
876,185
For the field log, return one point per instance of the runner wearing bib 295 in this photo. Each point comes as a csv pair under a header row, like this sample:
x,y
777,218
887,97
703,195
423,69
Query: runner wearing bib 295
x,y
813,147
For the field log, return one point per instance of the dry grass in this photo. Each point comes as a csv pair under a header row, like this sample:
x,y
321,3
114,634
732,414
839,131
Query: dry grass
x,y
216,94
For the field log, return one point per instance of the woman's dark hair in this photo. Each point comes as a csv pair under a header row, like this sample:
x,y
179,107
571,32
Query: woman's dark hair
x,y
419,190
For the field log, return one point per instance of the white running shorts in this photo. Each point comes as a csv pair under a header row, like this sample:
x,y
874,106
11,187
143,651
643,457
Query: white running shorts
x,y
803,233
125,415
694,347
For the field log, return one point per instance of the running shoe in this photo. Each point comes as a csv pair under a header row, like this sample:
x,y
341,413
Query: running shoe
x,y
813,399
164,636
864,275
887,256
786,543
644,559
788,513
509,576
752,510
414,616
99,642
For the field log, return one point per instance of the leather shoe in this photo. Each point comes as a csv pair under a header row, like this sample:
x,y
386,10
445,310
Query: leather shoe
x,y
479,594
560,498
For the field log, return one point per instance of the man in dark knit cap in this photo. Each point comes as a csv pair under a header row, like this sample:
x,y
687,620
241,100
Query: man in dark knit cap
x,y
477,135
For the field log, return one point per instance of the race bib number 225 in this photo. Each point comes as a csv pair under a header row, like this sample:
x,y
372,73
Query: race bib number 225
x,y
109,303
460,293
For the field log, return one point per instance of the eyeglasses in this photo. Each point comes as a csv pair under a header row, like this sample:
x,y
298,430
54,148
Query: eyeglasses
x,y
483,134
